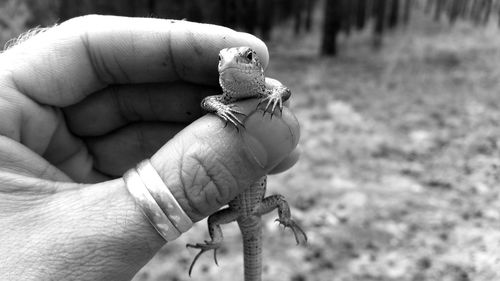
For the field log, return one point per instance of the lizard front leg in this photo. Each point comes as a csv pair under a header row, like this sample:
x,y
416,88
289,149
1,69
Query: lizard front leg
x,y
275,94
223,216
284,216
221,106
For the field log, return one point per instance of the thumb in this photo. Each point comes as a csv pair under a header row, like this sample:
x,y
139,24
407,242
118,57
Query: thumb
x,y
56,230
209,162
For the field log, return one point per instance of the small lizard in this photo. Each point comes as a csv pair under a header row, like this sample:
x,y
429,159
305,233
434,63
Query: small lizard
x,y
241,76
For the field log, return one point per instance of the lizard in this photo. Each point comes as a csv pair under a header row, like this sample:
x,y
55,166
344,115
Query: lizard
x,y
241,76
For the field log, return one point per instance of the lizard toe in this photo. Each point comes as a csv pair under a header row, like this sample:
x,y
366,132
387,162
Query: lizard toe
x,y
298,233
204,247
273,102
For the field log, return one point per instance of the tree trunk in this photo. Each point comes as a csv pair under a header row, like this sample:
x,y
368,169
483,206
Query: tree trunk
x,y
331,27
380,8
309,11
193,11
346,15
393,14
454,11
265,18
297,15
247,15
476,11
438,10
229,12
151,6
68,9
170,9
487,11
464,6
473,9
407,12
361,14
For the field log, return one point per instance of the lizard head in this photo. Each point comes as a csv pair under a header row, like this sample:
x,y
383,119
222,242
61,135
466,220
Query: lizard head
x,y
242,58
240,69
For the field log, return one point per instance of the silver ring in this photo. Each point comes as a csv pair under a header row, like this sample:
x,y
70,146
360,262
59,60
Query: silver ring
x,y
164,198
149,207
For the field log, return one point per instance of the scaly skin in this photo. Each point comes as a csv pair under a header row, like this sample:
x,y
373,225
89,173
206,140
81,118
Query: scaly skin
x,y
241,76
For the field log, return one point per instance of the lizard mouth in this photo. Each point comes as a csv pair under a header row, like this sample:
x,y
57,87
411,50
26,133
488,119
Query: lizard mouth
x,y
247,69
228,67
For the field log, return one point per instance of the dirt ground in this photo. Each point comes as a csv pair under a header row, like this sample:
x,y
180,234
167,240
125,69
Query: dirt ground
x,y
400,168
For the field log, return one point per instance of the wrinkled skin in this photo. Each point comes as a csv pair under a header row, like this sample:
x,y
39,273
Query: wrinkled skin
x,y
80,104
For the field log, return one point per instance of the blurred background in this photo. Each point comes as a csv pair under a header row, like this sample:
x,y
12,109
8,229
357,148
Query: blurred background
x,y
400,112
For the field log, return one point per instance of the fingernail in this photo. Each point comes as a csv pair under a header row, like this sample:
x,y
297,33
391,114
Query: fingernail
x,y
268,140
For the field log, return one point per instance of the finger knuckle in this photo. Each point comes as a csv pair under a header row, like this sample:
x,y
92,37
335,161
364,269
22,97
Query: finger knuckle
x,y
210,182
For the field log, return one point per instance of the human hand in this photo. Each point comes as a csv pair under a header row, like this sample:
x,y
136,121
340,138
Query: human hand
x,y
83,102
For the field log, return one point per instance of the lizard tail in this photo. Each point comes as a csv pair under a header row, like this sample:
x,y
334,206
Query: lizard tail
x,y
251,231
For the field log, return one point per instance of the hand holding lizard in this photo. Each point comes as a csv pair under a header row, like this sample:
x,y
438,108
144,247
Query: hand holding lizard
x,y
83,102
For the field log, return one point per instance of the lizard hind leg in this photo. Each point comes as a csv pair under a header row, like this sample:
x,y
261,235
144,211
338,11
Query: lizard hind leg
x,y
203,248
299,234
223,216
284,215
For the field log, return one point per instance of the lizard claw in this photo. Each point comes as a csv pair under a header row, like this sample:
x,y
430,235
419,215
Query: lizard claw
x,y
296,229
228,114
275,99
203,248
272,102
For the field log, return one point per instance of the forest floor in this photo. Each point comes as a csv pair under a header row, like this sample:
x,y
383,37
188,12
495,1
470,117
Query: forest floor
x,y
400,172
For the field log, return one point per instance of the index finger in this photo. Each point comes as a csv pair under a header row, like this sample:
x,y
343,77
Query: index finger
x,y
66,63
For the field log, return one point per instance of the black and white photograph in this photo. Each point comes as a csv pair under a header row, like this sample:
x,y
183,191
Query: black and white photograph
x,y
250,140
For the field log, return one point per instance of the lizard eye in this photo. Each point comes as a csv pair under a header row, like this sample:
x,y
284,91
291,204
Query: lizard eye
x,y
220,57
250,55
